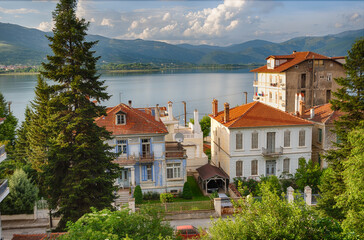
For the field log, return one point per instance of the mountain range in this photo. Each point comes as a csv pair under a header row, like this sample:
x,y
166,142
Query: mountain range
x,y
21,45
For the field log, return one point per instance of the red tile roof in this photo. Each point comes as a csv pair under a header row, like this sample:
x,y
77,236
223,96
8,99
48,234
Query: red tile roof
x,y
257,114
2,119
292,60
137,122
323,114
41,236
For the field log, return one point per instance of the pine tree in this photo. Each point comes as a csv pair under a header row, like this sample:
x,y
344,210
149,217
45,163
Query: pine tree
x,y
79,172
349,99
7,128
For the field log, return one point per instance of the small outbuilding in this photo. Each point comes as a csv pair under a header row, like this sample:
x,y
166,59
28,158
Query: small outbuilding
x,y
211,178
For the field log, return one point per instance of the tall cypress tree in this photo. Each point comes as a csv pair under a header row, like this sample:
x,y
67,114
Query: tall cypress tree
x,y
79,172
350,100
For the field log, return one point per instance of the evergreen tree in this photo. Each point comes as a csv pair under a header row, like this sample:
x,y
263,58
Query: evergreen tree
x,y
349,100
187,193
7,128
78,172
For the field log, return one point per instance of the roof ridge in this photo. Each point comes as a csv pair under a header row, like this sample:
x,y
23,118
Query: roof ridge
x,y
111,109
136,111
255,103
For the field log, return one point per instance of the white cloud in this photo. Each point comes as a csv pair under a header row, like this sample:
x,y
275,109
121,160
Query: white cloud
x,y
45,26
18,11
166,16
106,22
338,25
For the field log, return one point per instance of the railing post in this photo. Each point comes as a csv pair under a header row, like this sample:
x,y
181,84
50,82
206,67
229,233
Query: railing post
x,y
132,204
217,205
308,195
290,191
35,210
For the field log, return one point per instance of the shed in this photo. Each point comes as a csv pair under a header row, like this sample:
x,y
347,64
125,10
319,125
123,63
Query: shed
x,y
208,173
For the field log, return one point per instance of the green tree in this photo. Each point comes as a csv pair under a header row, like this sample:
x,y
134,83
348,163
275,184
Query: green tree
x,y
78,172
22,195
138,195
308,174
349,99
205,124
352,200
7,128
187,193
147,224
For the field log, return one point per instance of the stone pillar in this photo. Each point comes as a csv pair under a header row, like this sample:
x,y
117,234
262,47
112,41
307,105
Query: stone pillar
x,y
132,204
308,195
290,197
217,205
132,175
35,209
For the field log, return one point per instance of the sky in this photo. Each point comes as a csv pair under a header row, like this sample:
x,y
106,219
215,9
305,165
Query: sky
x,y
213,22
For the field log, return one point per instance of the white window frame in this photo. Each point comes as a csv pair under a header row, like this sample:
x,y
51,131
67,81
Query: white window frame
x,y
286,169
122,146
173,170
288,132
302,138
256,168
239,168
255,145
120,119
239,134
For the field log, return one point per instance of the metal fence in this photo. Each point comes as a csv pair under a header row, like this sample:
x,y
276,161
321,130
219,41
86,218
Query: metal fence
x,y
181,206
41,204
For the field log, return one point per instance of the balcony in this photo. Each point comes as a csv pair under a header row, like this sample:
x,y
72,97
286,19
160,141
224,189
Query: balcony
x,y
2,153
275,152
146,157
4,190
175,150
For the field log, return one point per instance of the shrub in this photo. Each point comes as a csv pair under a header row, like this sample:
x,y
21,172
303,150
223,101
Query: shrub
x,y
246,187
187,193
151,196
166,197
138,195
308,174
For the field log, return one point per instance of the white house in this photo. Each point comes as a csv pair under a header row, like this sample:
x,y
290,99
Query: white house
x,y
256,139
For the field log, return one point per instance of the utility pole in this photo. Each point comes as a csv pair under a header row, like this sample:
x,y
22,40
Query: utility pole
x,y
184,106
246,97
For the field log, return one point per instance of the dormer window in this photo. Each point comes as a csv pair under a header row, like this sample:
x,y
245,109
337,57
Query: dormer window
x,y
120,118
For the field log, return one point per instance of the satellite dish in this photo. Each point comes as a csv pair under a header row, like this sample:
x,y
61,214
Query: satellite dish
x,y
179,137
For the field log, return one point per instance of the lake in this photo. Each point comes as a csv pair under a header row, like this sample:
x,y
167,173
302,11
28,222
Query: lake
x,y
196,87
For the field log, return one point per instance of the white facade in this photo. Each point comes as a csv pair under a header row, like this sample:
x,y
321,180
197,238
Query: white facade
x,y
226,155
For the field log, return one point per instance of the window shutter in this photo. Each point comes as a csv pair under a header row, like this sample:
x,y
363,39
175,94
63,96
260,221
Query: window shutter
x,y
254,167
287,138
239,141
239,168
144,173
254,140
301,141
286,165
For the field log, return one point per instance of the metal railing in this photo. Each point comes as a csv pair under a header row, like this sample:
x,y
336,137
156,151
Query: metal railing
x,y
272,151
181,206
146,157
3,186
2,150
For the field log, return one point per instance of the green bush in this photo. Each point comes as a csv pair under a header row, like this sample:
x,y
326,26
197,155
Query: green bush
x,y
22,195
246,187
308,174
138,195
166,197
187,193
151,196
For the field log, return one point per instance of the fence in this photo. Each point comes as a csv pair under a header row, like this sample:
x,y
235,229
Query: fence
x,y
181,206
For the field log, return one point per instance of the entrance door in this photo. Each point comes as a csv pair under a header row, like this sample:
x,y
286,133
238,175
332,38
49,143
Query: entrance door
x,y
271,142
270,167
124,179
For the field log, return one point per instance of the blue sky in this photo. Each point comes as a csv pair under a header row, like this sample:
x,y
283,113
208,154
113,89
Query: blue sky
x,y
220,22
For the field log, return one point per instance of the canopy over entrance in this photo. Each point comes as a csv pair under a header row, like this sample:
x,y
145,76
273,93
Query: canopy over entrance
x,y
208,173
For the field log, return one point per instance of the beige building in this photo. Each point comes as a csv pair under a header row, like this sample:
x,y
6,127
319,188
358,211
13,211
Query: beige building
x,y
284,78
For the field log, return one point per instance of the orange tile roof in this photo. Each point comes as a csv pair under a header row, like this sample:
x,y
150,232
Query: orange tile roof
x,y
2,119
292,60
41,236
323,114
257,114
137,122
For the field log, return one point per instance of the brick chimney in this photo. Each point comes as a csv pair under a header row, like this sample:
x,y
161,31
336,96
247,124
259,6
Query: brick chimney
x,y
301,109
157,116
129,102
312,113
226,112
214,107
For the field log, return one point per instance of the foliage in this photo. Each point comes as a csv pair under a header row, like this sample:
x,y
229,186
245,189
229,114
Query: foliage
x,y
22,196
246,187
166,197
308,174
195,189
272,183
7,128
214,195
106,224
352,200
274,218
75,165
151,196
205,124
138,195
349,100
187,193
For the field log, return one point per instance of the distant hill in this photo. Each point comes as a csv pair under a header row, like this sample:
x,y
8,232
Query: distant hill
x,y
20,45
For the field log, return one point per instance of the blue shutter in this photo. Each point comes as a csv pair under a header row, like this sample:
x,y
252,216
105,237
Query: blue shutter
x,y
152,168
144,173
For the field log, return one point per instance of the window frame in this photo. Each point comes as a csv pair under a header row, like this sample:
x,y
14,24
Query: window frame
x,y
302,138
239,168
285,141
255,141
120,119
121,145
255,165
173,169
285,167
239,135
319,135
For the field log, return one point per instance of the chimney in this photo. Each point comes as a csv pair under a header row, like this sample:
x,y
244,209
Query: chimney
x,y
170,111
129,102
296,103
226,112
156,114
246,97
312,113
214,107
294,51
196,125
301,110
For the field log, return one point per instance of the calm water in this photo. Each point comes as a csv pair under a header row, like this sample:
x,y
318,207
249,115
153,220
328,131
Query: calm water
x,y
197,88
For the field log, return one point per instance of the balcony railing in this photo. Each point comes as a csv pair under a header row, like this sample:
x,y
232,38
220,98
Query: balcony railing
x,y
2,153
271,152
146,157
4,190
175,150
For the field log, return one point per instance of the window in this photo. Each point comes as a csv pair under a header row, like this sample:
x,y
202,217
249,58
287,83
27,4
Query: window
x,y
301,140
287,138
120,119
147,173
318,62
239,141
328,95
271,142
329,77
239,168
146,147
319,135
254,140
254,170
303,80
173,170
286,165
121,146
